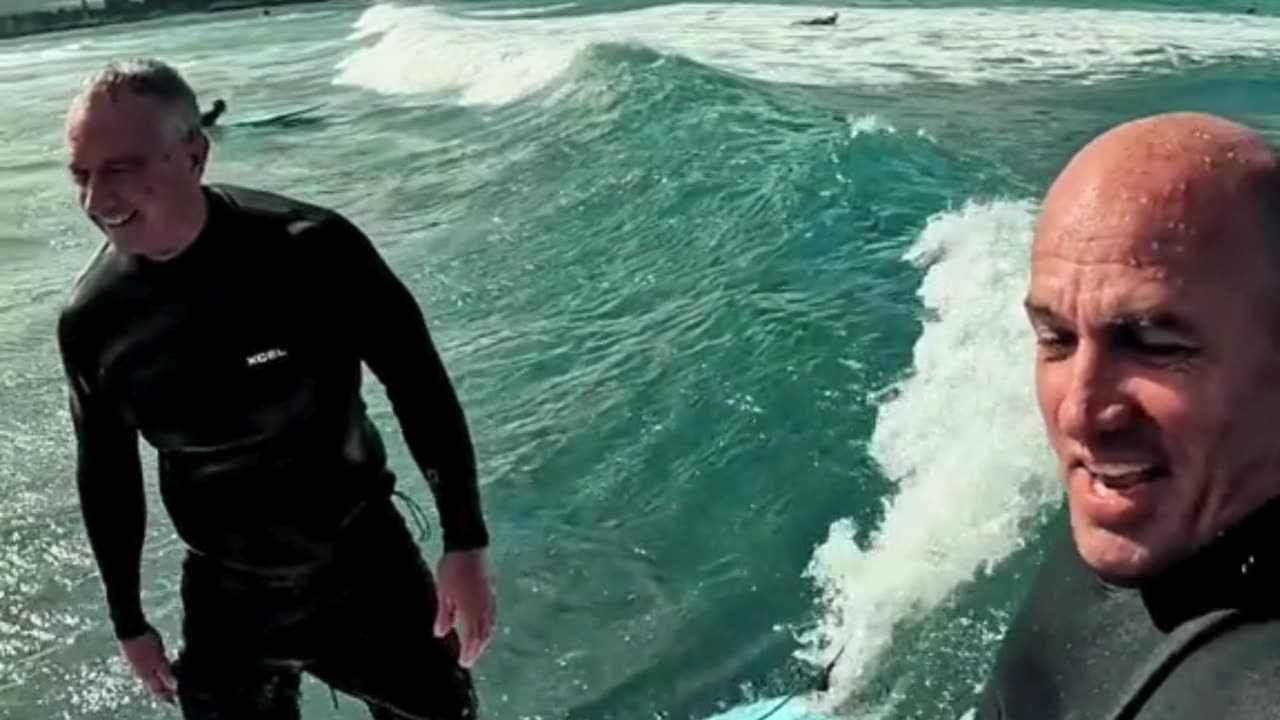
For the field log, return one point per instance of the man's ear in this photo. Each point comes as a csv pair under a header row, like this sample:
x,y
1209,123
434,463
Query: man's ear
x,y
198,152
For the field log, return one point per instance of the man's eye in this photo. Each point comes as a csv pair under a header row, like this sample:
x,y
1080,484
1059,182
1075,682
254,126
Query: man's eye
x,y
1157,345
1165,349
1054,342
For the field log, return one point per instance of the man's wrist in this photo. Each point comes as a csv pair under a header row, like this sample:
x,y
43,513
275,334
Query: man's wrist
x,y
469,535
131,628
477,541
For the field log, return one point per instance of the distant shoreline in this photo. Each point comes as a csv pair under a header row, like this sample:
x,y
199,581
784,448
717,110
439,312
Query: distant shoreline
x,y
51,21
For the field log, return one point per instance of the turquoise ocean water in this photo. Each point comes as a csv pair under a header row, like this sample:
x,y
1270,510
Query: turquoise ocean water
x,y
732,306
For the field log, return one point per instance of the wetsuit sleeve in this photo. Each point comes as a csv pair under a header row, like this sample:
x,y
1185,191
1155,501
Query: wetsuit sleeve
x,y
109,482
395,343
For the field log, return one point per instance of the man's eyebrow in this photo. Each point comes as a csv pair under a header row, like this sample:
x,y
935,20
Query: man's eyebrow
x,y
129,159
1163,321
1137,319
1040,311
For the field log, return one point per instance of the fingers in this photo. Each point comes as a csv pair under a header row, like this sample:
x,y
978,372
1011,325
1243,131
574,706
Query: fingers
x,y
146,655
476,637
160,681
478,632
168,683
444,612
467,656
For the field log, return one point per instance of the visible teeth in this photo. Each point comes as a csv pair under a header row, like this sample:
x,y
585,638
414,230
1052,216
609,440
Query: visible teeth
x,y
117,221
1118,469
1102,489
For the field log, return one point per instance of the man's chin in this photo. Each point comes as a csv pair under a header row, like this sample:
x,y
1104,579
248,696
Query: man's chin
x,y
1115,558
126,242
1122,577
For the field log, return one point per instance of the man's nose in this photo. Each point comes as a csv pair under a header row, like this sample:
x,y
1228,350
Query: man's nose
x,y
1094,404
95,197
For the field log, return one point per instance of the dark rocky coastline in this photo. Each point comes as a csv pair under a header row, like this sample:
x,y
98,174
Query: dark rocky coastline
x,y
121,11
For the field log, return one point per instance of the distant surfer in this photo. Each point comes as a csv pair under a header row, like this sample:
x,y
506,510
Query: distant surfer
x,y
825,20
210,117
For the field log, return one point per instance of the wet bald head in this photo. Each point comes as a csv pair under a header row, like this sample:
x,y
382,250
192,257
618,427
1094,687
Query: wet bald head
x,y
1182,186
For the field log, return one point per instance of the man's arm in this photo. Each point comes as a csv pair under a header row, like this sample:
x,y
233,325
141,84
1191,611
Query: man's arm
x,y
110,485
394,341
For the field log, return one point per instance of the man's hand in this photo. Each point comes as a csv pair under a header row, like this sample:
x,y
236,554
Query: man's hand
x,y
146,656
463,590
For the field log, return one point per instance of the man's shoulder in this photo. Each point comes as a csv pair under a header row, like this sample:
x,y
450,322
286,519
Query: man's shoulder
x,y
294,215
96,282
1252,644
1232,676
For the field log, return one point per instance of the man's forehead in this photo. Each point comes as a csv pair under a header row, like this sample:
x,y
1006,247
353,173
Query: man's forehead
x,y
1170,223
108,109
1149,283
1214,239
1095,294
1155,251
99,123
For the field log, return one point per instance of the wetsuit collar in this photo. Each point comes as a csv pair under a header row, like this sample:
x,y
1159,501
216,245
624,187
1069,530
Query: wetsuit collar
x,y
1238,569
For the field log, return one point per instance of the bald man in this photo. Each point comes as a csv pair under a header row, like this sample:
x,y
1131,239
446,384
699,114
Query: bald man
x,y
1155,301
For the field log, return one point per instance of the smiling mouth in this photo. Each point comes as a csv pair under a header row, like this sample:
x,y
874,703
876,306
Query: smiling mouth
x,y
115,223
1113,478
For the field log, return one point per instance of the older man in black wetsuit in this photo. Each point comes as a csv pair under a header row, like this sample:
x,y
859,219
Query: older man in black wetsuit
x,y
1155,299
227,327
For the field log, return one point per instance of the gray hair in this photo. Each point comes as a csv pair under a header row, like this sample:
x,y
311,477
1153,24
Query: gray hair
x,y
151,78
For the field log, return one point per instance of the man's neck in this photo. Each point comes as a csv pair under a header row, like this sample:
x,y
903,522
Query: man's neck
x,y
199,215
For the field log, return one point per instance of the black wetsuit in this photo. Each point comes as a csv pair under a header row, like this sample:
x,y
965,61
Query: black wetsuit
x,y
1200,642
240,362
210,117
828,20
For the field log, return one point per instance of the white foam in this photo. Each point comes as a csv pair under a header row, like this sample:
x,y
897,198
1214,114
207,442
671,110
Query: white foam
x,y
869,125
425,50
498,60
961,438
28,57
523,12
